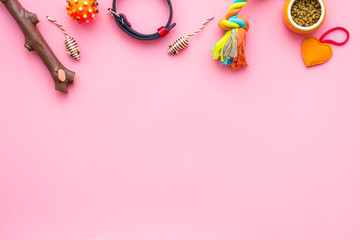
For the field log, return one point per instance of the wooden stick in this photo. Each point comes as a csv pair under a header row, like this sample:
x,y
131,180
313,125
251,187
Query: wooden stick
x,y
34,41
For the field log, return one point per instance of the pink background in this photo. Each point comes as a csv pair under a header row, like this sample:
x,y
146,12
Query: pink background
x,y
151,146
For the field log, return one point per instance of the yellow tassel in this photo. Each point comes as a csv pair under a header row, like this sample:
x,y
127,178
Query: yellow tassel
x,y
219,46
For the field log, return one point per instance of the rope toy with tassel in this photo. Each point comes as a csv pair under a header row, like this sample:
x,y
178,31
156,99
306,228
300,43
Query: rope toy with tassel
x,y
183,41
70,43
231,48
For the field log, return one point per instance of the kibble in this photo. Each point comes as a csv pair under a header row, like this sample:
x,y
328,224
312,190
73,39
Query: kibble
x,y
306,13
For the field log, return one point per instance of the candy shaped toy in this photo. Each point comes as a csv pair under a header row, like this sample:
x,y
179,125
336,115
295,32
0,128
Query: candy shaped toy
x,y
82,10
183,41
231,48
70,42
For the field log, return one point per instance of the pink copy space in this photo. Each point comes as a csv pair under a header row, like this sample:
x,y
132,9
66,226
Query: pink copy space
x,y
151,146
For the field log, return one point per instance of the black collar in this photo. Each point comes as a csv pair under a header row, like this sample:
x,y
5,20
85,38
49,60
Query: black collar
x,y
125,25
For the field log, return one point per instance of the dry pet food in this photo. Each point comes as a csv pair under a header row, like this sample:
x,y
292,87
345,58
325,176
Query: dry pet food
x,y
306,13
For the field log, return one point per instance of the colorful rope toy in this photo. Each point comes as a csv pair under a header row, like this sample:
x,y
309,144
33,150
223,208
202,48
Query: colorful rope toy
x,y
82,10
231,48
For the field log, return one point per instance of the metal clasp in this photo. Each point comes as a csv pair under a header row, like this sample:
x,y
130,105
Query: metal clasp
x,y
112,13
124,21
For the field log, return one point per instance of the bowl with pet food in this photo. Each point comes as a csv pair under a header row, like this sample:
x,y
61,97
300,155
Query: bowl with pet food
x,y
304,16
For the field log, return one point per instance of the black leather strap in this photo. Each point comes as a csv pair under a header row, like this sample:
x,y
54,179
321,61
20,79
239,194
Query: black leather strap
x,y
125,25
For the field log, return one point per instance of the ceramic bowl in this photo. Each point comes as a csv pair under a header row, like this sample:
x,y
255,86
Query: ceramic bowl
x,y
299,29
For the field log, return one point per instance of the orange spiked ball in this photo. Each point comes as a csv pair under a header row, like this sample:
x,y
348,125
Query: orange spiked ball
x,y
82,10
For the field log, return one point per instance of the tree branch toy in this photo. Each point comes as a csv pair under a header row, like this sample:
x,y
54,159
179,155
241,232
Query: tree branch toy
x,y
70,42
183,42
231,48
34,41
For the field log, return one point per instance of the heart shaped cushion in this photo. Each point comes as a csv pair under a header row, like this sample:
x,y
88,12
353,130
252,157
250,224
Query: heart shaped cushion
x,y
314,52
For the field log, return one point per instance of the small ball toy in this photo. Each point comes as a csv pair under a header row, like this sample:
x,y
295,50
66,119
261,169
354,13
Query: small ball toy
x,y
82,10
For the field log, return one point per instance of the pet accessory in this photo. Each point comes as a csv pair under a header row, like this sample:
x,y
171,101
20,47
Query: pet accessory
x,y
125,25
289,21
183,42
82,10
316,51
34,41
70,43
231,48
